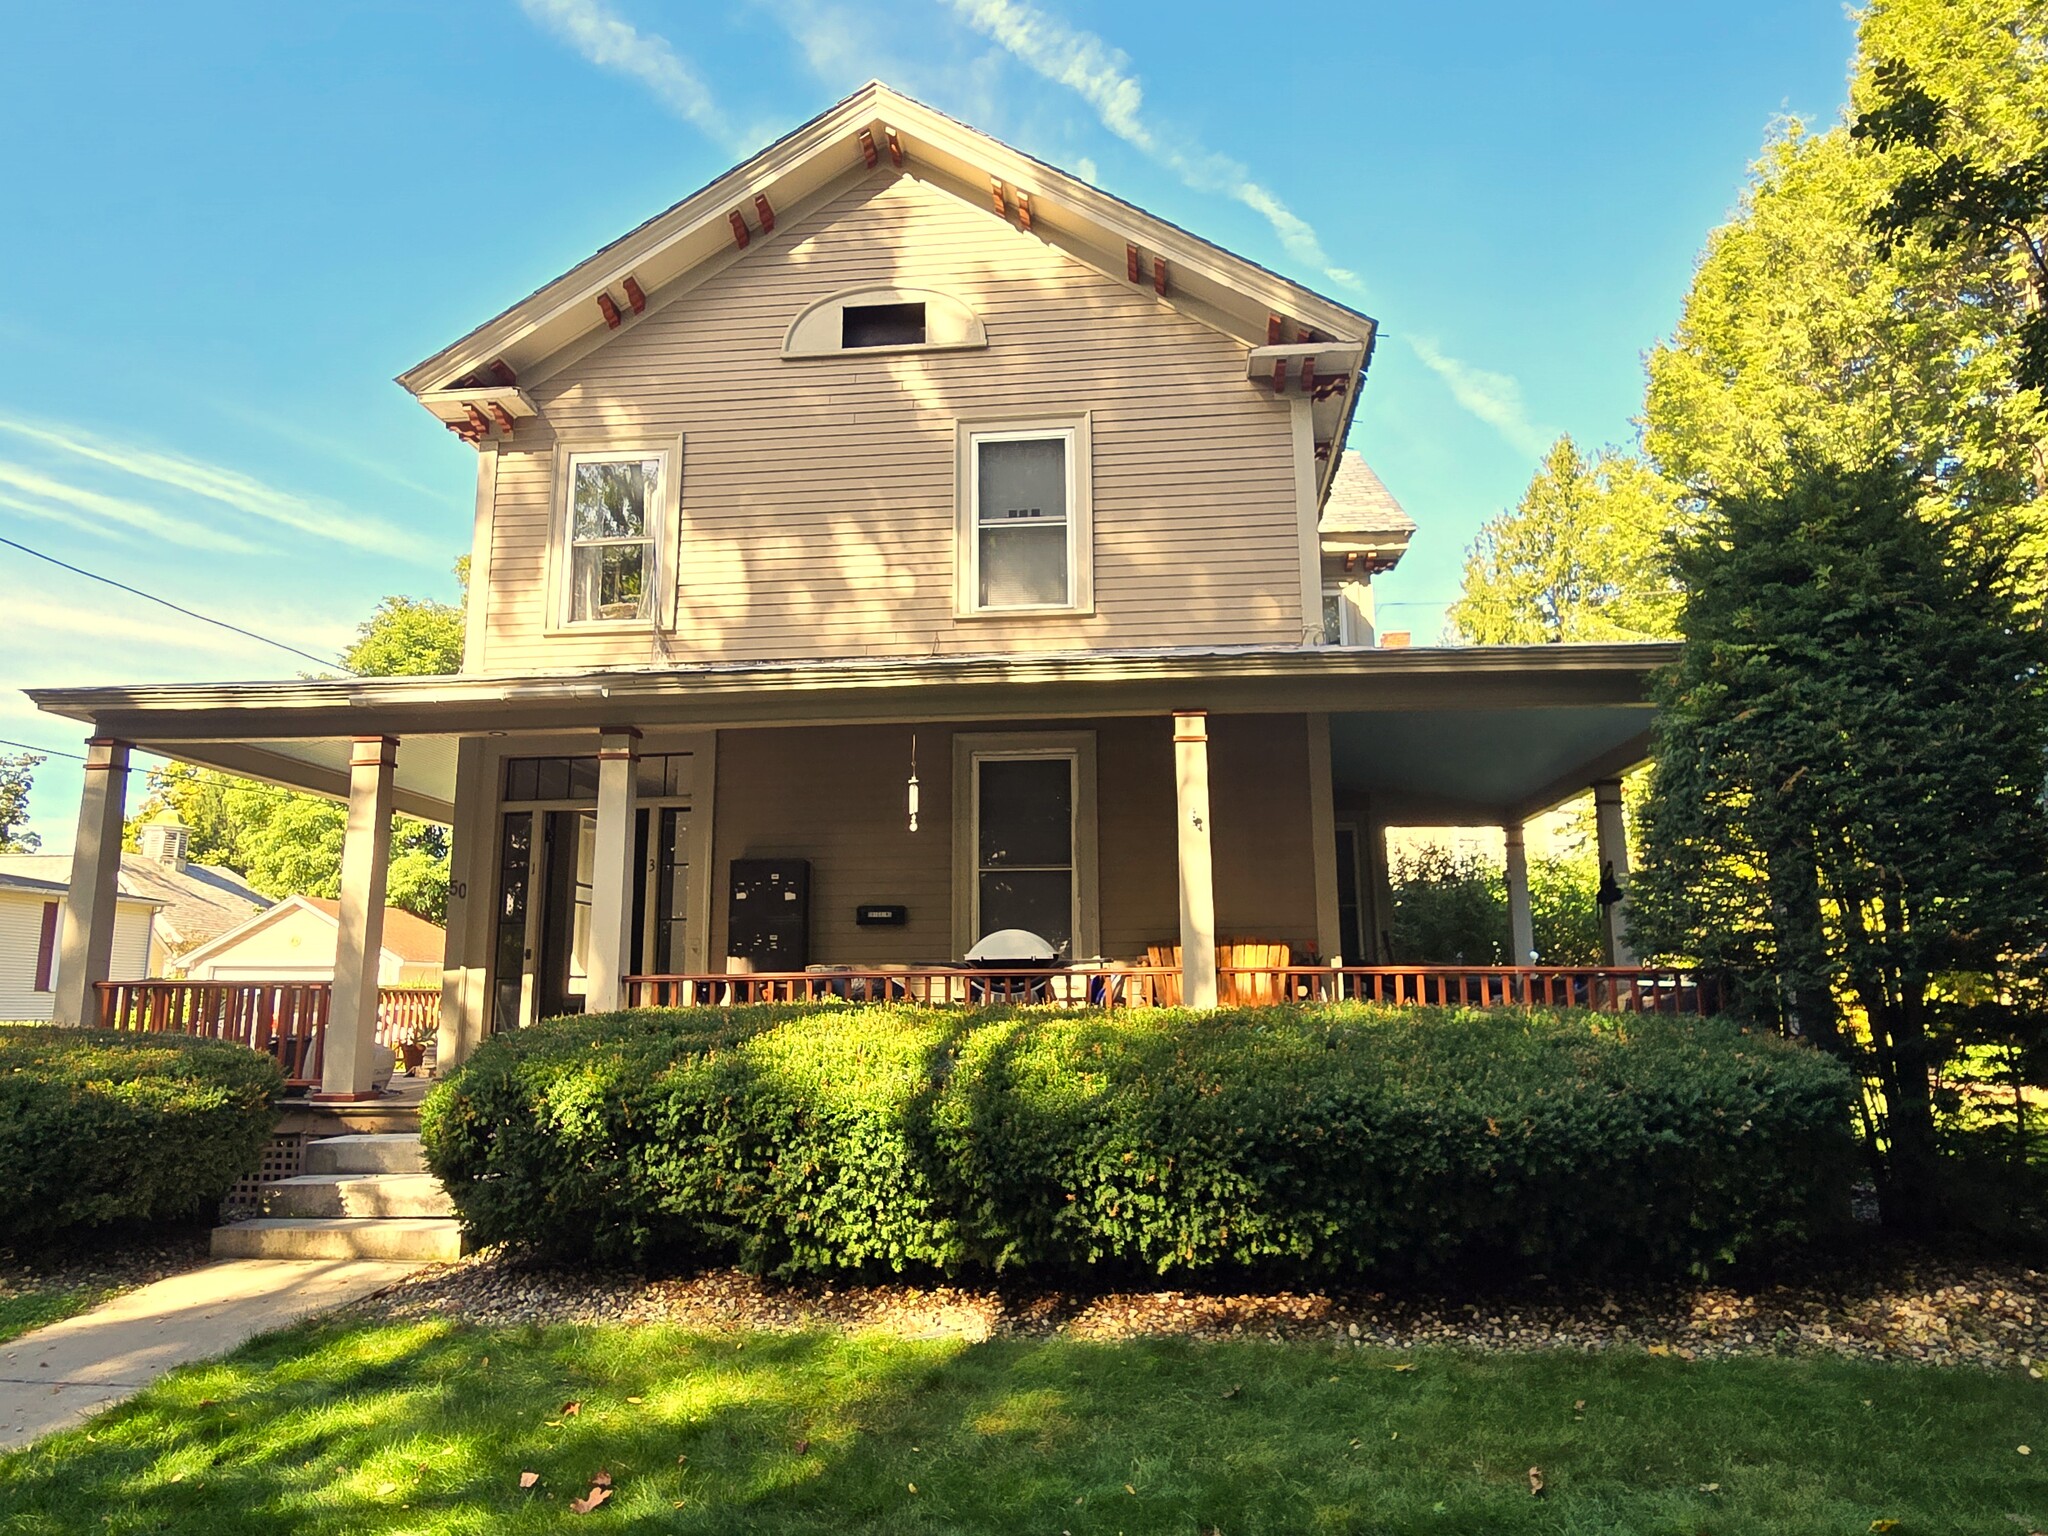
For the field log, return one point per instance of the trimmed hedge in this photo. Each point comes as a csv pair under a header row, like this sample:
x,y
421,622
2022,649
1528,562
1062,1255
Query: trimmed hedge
x,y
1317,1143
100,1126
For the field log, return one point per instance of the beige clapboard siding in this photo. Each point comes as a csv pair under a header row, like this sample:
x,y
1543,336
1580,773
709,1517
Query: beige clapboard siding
x,y
817,496
836,796
21,928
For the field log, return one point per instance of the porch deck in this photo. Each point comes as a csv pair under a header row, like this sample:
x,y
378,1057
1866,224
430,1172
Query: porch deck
x,y
284,1019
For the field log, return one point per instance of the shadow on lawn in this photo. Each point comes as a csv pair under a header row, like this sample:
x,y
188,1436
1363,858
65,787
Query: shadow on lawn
x,y
427,1428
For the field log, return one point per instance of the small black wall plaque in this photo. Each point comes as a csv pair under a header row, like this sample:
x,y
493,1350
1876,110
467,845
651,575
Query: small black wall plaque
x,y
873,916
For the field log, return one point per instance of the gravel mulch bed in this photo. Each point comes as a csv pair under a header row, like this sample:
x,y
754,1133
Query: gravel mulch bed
x,y
1907,1308
107,1261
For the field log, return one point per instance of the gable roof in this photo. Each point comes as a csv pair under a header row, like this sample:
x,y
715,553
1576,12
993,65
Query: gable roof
x,y
412,940
1359,503
194,903
29,885
474,383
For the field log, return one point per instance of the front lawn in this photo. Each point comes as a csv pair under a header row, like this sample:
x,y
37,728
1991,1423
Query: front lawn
x,y
427,1427
24,1310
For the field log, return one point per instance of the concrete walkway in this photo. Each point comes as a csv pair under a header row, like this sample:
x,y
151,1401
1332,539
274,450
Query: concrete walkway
x,y
57,1376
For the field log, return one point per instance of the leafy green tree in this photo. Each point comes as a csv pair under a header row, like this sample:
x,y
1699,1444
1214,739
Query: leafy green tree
x,y
1451,908
1799,329
1580,559
17,778
1847,797
285,843
1955,96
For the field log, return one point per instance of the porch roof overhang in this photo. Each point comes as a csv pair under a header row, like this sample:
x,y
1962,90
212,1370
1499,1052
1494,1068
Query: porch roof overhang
x,y
1478,732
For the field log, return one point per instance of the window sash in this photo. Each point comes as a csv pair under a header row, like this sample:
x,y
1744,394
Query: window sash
x,y
981,523
584,562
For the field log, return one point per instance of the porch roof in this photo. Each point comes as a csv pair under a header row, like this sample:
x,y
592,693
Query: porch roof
x,y
1441,734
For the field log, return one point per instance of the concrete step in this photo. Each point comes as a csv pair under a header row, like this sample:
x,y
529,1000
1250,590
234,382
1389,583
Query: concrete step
x,y
357,1194
417,1238
391,1153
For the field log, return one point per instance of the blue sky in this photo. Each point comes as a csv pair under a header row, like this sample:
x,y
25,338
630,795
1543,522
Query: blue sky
x,y
224,227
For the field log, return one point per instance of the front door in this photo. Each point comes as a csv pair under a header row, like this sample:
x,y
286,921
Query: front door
x,y
569,864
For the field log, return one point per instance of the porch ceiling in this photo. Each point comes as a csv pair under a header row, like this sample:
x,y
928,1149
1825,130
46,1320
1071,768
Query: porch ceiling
x,y
1482,766
1486,730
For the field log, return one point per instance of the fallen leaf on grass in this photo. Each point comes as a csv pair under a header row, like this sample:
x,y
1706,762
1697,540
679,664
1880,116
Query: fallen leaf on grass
x,y
1130,1490
586,1505
570,1409
2024,1450
1535,1482
528,1479
1232,1391
385,1490
803,1447
636,1399
912,1487
1405,1365
1579,1406
1884,1525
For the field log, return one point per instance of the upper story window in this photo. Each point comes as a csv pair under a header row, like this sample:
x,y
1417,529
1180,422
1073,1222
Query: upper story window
x,y
615,532
874,320
1023,534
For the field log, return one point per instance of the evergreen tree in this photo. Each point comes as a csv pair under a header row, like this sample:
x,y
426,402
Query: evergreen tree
x,y
17,778
1847,799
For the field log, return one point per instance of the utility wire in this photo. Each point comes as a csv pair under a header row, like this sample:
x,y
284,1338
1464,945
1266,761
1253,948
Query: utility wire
x,y
76,757
79,570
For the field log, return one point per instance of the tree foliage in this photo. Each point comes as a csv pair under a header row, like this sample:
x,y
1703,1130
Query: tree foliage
x,y
1581,558
1451,908
17,778
411,636
1847,798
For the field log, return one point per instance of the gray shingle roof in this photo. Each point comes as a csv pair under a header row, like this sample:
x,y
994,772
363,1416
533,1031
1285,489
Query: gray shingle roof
x,y
199,900
1359,503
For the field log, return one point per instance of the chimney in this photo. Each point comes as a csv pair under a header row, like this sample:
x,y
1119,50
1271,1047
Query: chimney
x,y
1394,639
165,839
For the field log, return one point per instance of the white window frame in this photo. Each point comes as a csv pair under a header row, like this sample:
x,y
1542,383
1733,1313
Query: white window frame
x,y
1080,513
970,750
664,516
1347,617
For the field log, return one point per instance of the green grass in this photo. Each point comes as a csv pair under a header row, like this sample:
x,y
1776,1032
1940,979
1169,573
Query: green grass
x,y
22,1311
427,1427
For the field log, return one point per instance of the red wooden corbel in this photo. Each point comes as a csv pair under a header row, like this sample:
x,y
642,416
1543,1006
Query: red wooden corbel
x,y
1272,330
1159,275
995,195
868,152
476,420
503,417
1131,263
895,146
636,295
610,307
740,236
501,372
767,213
1280,376
1308,376
1024,210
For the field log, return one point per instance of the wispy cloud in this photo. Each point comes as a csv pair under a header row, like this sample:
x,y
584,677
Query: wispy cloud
x,y
1102,76
609,41
1495,398
76,501
215,483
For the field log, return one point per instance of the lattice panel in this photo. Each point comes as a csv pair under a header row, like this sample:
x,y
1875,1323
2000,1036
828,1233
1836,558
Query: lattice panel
x,y
284,1157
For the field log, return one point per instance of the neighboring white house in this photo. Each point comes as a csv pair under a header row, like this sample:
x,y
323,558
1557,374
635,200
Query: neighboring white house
x,y
187,904
31,910
295,941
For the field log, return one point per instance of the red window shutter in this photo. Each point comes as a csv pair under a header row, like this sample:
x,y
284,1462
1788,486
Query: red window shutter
x,y
46,947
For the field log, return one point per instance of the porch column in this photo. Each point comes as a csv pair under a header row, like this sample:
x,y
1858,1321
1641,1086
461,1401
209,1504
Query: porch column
x,y
1322,822
1521,919
611,890
1610,830
348,1058
85,946
1380,874
1197,880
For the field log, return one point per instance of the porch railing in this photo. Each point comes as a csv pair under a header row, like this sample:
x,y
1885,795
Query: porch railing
x,y
286,1019
1605,989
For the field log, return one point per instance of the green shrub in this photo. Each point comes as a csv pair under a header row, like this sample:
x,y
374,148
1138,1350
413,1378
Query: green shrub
x,y
98,1126
1298,1143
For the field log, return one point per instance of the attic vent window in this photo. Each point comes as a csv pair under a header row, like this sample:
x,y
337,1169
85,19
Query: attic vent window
x,y
882,325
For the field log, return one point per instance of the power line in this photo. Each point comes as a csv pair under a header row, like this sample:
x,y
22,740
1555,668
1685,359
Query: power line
x,y
77,757
79,570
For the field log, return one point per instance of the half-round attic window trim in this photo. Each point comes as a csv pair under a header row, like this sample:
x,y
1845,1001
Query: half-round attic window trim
x,y
949,325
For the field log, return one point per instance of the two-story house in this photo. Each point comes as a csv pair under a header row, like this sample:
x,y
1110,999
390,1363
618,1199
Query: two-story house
x,y
896,542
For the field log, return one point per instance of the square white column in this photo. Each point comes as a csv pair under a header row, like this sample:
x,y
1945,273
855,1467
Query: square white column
x,y
85,945
1197,878
612,871
1521,915
348,1057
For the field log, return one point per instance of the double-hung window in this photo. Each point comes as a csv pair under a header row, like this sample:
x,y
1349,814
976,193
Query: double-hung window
x,y
1024,525
612,536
